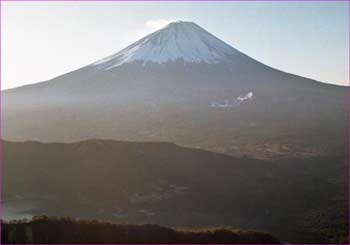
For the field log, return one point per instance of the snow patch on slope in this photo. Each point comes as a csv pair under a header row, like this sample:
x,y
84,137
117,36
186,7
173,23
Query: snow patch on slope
x,y
227,103
245,97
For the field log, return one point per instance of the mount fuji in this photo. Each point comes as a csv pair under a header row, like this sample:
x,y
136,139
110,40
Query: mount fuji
x,y
161,88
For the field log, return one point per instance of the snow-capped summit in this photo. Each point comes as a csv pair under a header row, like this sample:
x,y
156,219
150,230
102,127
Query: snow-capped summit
x,y
178,40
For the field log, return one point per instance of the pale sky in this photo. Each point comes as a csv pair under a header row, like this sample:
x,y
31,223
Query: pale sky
x,y
41,40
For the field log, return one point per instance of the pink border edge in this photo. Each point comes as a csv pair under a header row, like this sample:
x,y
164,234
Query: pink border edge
x,y
174,0
348,116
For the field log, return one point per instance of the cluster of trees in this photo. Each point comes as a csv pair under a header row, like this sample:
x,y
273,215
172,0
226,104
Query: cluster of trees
x,y
44,230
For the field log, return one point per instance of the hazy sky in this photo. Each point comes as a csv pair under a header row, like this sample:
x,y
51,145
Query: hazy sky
x,y
43,40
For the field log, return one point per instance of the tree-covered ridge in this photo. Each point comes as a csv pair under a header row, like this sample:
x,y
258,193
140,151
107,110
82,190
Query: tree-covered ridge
x,y
44,230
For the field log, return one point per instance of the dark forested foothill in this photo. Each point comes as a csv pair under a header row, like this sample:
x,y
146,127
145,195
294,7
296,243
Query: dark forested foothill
x,y
43,229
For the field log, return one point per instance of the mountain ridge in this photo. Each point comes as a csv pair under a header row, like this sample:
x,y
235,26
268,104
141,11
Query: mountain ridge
x,y
170,185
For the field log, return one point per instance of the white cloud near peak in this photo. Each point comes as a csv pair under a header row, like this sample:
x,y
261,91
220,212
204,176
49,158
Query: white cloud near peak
x,y
148,27
154,25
